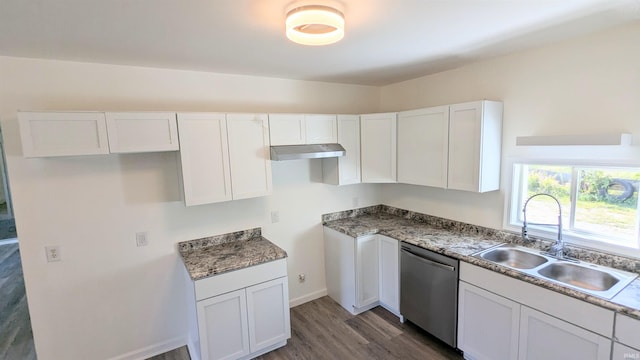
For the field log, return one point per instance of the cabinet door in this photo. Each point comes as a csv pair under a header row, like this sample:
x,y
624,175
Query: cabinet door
x,y
464,146
46,134
389,273
475,142
339,261
378,148
488,324
367,282
321,129
423,142
204,158
345,170
248,136
268,313
222,325
622,352
545,337
627,330
287,129
142,132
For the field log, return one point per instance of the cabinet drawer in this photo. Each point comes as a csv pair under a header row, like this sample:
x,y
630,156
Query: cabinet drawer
x,y
241,278
550,302
628,331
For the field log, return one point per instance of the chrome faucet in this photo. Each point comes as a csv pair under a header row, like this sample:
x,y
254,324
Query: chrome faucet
x,y
557,249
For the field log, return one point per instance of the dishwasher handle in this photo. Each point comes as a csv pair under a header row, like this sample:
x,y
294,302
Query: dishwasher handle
x,y
428,261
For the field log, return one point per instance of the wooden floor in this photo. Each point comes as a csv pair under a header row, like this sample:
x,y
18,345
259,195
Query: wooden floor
x,y
16,339
321,329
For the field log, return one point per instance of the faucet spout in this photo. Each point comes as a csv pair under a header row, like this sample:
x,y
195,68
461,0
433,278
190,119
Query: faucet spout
x,y
557,249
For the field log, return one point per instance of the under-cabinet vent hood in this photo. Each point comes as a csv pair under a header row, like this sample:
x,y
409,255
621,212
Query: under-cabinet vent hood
x,y
315,151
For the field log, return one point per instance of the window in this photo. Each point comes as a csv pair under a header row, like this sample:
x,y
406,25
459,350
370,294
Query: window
x,y
599,204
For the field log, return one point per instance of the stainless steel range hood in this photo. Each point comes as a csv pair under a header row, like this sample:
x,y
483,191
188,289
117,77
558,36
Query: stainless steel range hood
x,y
315,151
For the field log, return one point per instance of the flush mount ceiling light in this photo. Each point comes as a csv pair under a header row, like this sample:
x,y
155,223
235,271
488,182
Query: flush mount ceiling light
x,y
315,24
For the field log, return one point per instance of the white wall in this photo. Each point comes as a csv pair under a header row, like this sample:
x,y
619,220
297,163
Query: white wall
x,y
589,85
109,298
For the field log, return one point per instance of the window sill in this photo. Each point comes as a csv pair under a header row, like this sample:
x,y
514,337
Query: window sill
x,y
573,240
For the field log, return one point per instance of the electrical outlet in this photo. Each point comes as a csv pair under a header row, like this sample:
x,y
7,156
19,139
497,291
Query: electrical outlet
x,y
275,216
141,239
302,278
53,253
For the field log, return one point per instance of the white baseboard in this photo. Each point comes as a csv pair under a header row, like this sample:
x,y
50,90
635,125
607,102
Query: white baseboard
x,y
194,350
153,350
306,298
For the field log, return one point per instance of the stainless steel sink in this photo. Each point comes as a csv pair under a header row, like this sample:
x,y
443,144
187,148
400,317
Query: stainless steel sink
x,y
579,276
514,257
593,279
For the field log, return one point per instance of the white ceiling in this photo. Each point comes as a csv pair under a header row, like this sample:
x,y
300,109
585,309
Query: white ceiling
x,y
386,40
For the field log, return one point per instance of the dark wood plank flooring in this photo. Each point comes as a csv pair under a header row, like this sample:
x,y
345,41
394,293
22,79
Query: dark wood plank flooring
x,y
16,338
321,329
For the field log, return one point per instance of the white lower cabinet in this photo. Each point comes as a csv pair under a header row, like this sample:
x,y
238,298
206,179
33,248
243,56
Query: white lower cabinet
x,y
544,337
493,327
389,270
504,318
623,352
241,314
627,331
488,324
268,314
362,272
222,324
367,280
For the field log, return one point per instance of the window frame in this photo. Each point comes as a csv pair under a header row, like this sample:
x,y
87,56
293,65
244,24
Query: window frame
x,y
573,238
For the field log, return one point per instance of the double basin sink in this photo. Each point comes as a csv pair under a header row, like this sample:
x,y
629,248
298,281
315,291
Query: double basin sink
x,y
593,279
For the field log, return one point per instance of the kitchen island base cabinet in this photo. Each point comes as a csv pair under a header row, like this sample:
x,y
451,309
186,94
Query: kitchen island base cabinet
x,y
241,314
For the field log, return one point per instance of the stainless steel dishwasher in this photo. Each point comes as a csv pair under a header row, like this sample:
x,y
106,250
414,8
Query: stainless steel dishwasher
x,y
429,291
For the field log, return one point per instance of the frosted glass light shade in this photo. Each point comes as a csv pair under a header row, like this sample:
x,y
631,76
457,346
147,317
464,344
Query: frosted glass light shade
x,y
315,25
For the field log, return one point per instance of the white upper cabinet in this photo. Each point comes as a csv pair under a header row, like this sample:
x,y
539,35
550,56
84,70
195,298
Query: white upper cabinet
x,y
287,129
63,133
249,155
321,129
299,129
134,132
345,169
378,147
423,146
475,139
204,158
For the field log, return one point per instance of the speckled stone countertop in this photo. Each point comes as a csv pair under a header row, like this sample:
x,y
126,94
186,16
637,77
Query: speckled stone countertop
x,y
227,252
460,241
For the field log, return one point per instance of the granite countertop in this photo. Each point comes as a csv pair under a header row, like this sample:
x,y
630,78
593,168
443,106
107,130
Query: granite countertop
x,y
227,252
460,241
